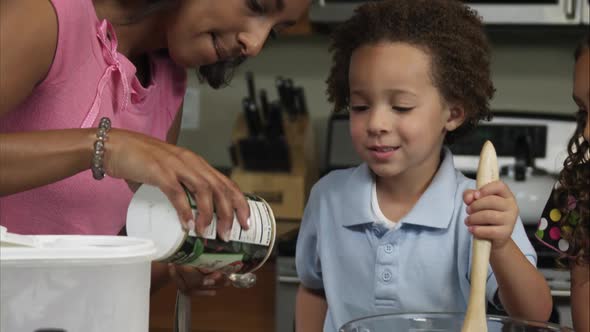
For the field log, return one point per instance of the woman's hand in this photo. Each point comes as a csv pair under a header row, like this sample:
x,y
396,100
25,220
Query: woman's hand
x,y
143,159
191,281
492,213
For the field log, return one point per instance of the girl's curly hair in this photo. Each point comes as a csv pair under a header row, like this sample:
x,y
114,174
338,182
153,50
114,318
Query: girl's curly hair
x,y
574,180
448,30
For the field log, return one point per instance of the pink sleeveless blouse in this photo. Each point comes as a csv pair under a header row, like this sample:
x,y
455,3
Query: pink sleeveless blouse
x,y
88,79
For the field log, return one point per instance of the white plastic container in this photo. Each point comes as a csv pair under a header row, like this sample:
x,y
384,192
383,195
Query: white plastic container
x,y
76,283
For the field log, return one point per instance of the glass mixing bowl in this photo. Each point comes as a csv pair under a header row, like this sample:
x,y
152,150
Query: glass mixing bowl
x,y
442,322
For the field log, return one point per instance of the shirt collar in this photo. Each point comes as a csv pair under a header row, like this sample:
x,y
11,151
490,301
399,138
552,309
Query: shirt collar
x,y
434,208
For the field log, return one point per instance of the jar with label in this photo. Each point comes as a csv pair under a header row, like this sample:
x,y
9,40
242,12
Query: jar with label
x,y
151,215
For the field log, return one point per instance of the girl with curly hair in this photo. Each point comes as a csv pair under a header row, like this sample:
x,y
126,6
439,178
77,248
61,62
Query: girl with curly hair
x,y
564,224
394,234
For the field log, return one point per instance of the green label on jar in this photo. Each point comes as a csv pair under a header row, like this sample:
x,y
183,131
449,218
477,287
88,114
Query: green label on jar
x,y
213,255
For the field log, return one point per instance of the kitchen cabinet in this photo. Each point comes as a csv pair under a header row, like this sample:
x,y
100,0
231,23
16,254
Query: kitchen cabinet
x,y
502,12
232,309
586,12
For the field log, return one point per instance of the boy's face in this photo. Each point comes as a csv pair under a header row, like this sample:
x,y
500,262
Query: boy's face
x,y
581,93
398,119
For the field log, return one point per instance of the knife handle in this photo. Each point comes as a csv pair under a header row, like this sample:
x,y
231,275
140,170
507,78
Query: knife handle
x,y
252,117
251,87
264,104
275,121
289,90
300,100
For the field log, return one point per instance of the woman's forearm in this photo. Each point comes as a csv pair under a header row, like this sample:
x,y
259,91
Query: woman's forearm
x,y
32,159
523,290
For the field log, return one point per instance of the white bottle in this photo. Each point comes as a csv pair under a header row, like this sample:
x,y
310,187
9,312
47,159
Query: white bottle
x,y
152,216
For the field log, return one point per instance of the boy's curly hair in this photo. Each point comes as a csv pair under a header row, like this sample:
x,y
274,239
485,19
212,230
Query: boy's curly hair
x,y
449,31
574,180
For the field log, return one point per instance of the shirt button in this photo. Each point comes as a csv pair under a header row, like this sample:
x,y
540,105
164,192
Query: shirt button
x,y
386,275
388,248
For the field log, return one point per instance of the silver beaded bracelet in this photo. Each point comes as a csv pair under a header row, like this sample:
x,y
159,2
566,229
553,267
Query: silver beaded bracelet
x,y
99,147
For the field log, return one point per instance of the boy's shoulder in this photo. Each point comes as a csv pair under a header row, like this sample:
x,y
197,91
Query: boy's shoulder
x,y
340,179
463,182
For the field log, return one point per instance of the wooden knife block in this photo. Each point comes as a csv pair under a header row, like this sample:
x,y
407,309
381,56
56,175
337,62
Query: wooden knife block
x,y
286,192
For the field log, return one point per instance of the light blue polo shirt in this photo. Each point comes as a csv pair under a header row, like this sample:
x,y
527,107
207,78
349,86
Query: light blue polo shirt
x,y
366,268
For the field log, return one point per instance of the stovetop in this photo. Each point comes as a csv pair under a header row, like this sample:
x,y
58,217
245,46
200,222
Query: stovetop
x,y
541,137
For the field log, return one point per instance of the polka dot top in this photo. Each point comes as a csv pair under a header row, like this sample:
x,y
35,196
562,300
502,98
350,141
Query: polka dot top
x,y
559,218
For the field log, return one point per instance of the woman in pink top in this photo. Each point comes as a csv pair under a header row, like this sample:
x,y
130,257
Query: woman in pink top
x,y
65,65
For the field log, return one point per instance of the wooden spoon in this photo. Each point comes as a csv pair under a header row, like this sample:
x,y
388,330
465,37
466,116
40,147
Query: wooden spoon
x,y
475,318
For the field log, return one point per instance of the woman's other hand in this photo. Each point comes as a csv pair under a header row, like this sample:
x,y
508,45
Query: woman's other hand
x,y
191,281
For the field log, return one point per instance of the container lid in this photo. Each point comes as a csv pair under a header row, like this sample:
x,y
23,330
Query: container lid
x,y
74,247
151,216
16,240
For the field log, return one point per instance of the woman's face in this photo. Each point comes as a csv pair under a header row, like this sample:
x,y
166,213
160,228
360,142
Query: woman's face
x,y
204,32
581,92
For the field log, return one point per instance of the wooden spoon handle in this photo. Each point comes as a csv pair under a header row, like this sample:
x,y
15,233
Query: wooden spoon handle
x,y
475,318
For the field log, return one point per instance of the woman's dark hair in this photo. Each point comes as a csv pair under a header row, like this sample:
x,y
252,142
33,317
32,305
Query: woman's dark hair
x,y
574,180
449,31
217,75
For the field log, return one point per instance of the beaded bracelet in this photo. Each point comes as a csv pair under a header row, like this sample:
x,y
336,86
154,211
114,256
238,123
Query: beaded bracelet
x,y
99,147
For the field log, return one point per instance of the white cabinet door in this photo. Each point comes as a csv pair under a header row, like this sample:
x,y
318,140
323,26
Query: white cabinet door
x,y
545,12
503,12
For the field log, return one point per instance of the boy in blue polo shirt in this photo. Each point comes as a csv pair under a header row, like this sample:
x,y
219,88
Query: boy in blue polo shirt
x,y
394,234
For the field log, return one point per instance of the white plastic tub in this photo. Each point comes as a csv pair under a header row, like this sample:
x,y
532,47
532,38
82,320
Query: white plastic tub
x,y
76,283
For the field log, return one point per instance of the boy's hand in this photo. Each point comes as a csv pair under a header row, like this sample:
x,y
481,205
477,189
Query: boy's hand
x,y
492,213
